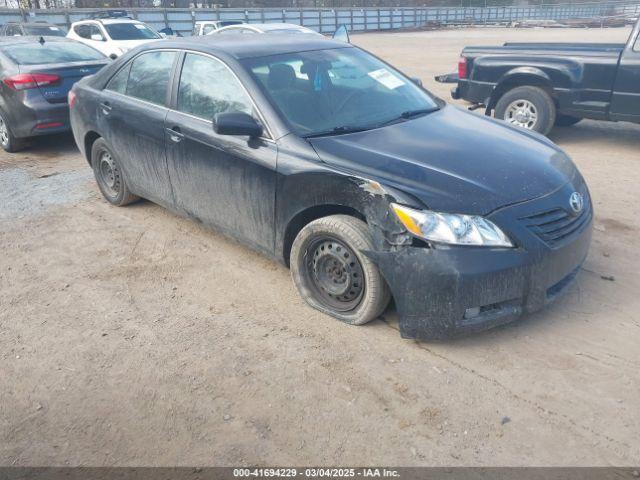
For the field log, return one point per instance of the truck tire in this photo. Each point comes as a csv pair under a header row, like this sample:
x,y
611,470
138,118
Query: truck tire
x,y
109,175
8,141
333,275
566,120
531,108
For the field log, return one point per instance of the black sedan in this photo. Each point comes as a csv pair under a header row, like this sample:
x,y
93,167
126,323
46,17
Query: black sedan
x,y
36,75
330,160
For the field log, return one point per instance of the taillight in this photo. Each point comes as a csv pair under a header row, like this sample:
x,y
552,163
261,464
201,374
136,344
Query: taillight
x,y
462,68
25,81
72,98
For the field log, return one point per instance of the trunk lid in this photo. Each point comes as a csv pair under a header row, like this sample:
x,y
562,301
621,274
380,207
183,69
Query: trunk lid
x,y
69,74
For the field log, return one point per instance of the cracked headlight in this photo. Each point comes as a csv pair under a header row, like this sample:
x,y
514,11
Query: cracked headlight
x,y
451,229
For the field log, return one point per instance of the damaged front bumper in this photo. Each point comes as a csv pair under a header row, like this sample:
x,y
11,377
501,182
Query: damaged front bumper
x,y
443,292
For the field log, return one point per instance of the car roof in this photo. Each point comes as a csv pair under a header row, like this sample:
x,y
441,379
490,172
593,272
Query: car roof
x,y
33,39
107,21
33,24
265,27
249,46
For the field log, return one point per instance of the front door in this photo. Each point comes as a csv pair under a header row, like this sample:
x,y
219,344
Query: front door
x,y
227,182
132,114
625,105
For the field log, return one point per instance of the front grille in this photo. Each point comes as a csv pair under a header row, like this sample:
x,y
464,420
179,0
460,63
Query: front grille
x,y
557,226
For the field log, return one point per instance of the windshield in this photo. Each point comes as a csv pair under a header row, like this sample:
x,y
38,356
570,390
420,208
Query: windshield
x,y
337,91
130,31
51,52
44,30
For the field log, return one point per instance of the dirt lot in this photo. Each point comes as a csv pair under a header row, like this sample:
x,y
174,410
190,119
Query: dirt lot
x,y
130,336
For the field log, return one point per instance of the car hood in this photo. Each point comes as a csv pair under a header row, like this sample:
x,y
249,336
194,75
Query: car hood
x,y
454,161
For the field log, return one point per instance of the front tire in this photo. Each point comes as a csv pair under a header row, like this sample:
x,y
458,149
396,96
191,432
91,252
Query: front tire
x,y
8,141
333,275
531,108
109,175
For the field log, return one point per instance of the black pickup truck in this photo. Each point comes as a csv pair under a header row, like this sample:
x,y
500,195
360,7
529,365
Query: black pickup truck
x,y
539,85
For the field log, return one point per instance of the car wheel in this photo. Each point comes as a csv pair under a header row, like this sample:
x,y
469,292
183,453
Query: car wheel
x,y
8,141
333,275
566,120
109,175
531,108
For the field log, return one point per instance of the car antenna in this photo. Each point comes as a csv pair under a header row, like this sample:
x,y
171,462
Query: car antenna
x,y
41,41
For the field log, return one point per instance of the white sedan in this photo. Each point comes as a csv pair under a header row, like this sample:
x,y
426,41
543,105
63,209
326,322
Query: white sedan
x,y
250,28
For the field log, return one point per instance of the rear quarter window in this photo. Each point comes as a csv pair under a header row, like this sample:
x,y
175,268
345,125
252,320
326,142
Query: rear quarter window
x,y
118,82
51,52
149,76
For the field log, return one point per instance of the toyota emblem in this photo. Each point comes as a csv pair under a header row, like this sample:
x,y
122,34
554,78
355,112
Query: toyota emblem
x,y
576,202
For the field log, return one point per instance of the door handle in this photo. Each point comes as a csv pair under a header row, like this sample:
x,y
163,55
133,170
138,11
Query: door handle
x,y
175,135
106,108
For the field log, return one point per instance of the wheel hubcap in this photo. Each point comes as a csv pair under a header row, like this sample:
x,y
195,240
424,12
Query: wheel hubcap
x,y
4,133
109,174
522,113
335,274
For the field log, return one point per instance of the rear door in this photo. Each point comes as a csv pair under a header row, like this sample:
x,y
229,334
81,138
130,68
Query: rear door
x,y
131,115
227,182
625,105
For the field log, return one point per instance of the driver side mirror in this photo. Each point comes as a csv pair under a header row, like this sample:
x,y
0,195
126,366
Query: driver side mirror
x,y
97,37
236,123
417,81
342,34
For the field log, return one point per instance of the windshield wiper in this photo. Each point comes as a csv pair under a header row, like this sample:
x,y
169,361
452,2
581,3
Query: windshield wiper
x,y
409,114
420,111
342,130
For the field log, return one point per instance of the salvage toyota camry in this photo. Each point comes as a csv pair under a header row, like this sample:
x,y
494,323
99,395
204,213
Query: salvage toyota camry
x,y
330,160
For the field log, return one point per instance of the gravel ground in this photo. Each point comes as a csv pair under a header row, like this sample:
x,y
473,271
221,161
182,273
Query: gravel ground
x,y
131,336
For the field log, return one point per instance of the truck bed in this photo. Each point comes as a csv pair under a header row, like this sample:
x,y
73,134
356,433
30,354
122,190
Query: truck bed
x,y
541,49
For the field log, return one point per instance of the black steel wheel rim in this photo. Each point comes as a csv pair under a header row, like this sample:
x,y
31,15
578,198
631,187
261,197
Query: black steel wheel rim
x,y
109,174
334,273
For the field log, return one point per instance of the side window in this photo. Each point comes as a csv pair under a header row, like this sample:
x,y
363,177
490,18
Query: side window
x,y
207,87
83,31
118,82
149,76
207,29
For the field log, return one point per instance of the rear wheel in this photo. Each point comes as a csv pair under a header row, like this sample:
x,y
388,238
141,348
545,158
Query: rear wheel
x,y
8,141
109,175
333,275
566,120
531,108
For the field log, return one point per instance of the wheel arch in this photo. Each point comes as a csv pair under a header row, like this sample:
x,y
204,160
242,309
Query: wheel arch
x,y
520,77
308,215
89,139
307,197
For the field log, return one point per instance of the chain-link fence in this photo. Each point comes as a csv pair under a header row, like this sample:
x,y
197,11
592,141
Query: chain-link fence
x,y
326,20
